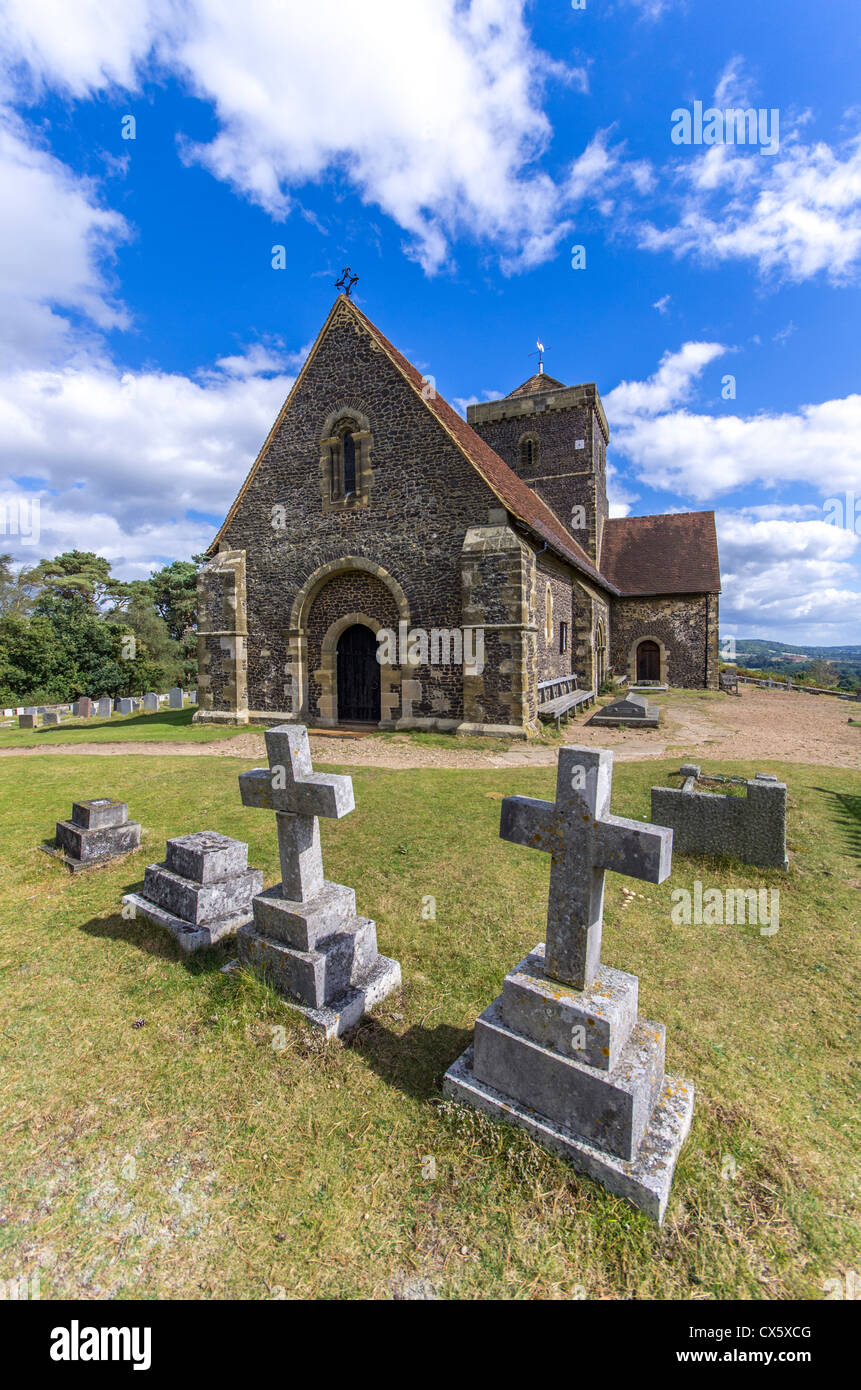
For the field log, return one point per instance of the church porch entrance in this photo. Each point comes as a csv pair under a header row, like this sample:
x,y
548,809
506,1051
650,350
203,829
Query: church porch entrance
x,y
358,673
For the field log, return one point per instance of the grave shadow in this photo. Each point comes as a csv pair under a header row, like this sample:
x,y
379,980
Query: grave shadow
x,y
413,1062
846,809
155,941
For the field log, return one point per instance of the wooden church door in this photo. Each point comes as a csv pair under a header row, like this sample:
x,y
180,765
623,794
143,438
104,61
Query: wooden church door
x,y
648,662
358,676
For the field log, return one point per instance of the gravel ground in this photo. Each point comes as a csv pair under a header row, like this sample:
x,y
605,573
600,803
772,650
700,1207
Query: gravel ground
x,y
767,724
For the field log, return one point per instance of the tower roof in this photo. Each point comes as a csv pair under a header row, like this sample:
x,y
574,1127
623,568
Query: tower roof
x,y
539,382
673,553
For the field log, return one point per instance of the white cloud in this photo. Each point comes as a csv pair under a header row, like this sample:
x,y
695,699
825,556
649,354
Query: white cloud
x,y
632,402
792,579
56,238
122,457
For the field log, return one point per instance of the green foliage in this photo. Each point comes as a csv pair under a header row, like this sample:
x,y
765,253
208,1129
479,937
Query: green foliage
x,y
68,628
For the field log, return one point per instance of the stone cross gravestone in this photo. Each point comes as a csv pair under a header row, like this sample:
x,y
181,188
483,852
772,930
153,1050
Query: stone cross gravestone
x,y
202,890
562,1051
307,940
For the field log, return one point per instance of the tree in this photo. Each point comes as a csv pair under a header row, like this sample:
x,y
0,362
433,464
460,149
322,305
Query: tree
x,y
18,589
821,673
174,594
82,574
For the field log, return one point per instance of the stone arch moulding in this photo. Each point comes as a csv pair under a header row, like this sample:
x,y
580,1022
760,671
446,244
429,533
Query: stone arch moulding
x,y
297,636
632,657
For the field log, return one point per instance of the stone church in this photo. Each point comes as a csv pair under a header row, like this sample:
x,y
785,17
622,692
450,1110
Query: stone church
x,y
387,563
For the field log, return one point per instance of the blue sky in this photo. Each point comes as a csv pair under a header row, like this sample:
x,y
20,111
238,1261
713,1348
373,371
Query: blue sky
x,y
452,154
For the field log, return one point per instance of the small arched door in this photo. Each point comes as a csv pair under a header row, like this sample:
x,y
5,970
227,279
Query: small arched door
x,y
648,661
358,676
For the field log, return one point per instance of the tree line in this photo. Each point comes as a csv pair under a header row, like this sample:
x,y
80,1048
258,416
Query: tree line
x,y
69,628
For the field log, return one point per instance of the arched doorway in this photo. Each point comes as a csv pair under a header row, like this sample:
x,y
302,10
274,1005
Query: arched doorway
x,y
358,676
648,661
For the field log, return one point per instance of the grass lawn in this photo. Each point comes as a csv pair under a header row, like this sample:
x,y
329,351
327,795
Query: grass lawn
x,y
167,726
163,1138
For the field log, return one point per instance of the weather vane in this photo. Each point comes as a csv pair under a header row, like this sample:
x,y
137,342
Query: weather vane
x,y
540,355
347,281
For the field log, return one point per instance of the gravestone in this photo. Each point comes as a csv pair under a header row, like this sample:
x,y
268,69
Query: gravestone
x,y
105,707
51,716
83,708
192,697
628,709
26,721
125,706
562,1052
150,702
98,831
307,940
202,890
175,698
751,828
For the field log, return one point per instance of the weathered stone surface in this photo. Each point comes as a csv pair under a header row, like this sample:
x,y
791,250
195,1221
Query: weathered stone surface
x,y
83,708
562,1052
751,828
175,698
51,717
206,856
645,1181
26,721
100,843
300,924
99,813
201,903
591,1026
608,1109
317,977
633,709
188,936
105,707
150,702
125,706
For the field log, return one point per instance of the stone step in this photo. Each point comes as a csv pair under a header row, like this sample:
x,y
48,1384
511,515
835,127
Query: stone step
x,y
99,813
201,903
609,1109
102,842
591,1026
206,856
304,924
315,978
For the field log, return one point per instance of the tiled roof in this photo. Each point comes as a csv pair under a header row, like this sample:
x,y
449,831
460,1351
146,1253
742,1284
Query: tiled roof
x,y
539,382
674,553
517,497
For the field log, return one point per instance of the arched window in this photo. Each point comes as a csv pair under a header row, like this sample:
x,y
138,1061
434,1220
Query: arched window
x,y
528,451
348,454
548,614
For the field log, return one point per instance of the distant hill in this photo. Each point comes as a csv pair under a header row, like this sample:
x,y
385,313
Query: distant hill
x,y
785,659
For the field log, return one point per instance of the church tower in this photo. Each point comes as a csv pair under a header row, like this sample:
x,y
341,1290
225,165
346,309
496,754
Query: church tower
x,y
555,438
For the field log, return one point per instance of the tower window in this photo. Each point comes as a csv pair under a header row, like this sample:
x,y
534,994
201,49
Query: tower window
x,y
528,451
348,446
563,637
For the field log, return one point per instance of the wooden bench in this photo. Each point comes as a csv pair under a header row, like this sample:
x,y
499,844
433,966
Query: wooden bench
x,y
559,698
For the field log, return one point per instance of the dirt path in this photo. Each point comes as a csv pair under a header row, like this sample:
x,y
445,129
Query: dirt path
x,y
762,724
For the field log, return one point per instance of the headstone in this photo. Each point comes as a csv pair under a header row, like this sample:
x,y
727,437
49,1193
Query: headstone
x,y
51,716
26,721
307,940
105,707
150,703
83,708
562,1052
125,706
202,890
751,828
192,697
99,830
629,709
175,698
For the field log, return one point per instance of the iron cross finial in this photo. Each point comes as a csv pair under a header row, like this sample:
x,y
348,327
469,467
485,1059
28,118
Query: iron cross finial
x,y
347,281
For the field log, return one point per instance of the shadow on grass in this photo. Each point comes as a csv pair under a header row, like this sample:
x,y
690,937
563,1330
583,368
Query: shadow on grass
x,y
174,718
847,814
413,1062
155,941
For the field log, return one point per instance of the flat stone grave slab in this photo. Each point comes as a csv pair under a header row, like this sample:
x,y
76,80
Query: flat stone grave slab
x,y
98,832
202,891
633,710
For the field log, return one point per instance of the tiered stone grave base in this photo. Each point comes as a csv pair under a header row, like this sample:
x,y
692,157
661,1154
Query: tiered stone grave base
x,y
202,891
584,1074
98,833
319,955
